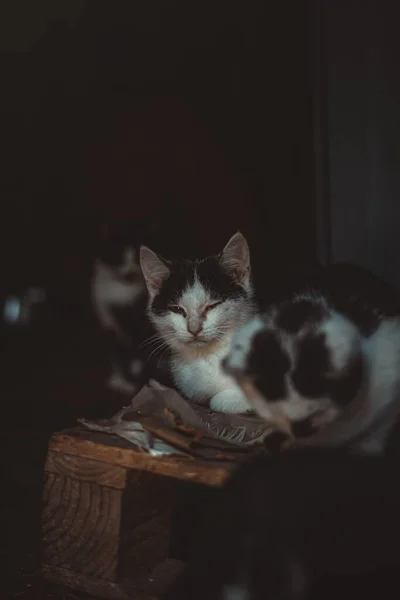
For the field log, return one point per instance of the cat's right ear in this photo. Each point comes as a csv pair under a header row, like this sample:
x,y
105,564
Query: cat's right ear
x,y
154,269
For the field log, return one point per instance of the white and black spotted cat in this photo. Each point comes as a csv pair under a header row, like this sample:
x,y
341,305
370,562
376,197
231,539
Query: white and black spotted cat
x,y
330,346
307,525
196,306
119,298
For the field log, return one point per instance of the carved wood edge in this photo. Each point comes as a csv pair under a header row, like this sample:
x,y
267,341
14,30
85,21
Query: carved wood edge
x,y
95,448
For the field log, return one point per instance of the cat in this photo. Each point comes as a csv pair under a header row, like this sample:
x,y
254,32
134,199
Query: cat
x,y
119,299
324,358
195,306
309,524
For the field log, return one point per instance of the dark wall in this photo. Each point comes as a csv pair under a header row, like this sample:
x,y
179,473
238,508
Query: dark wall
x,y
112,108
359,90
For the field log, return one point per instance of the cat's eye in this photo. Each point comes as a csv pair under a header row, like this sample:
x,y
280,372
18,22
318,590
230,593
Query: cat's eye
x,y
178,310
213,305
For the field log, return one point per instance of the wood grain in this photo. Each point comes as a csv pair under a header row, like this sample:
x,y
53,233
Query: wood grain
x,y
86,469
80,526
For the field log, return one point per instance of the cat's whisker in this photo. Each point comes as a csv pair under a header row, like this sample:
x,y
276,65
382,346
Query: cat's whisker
x,y
162,356
157,339
155,351
152,339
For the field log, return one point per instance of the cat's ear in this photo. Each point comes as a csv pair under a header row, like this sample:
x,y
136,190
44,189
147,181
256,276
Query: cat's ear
x,y
235,257
155,270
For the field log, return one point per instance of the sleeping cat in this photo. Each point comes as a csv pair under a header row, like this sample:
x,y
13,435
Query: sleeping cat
x,y
119,299
196,306
325,357
305,525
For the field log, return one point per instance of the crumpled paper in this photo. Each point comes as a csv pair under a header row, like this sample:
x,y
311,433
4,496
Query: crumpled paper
x,y
161,422
131,432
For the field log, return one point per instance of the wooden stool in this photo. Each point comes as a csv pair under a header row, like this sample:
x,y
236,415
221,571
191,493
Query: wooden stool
x,y
107,512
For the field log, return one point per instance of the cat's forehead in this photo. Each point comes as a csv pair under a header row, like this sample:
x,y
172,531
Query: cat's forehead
x,y
195,294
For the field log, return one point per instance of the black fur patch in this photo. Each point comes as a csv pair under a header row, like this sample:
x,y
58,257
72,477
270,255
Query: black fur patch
x,y
343,390
133,277
354,292
112,254
303,428
209,272
268,363
309,377
294,315
274,442
312,364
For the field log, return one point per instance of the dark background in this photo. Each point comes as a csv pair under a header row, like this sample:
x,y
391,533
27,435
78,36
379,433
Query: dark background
x,y
199,112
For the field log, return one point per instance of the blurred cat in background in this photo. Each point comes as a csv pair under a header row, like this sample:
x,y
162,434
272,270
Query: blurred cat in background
x,y
119,299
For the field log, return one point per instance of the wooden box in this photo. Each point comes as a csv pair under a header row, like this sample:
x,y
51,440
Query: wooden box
x,y
107,512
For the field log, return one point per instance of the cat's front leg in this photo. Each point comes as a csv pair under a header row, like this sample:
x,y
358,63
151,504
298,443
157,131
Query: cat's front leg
x,y
230,401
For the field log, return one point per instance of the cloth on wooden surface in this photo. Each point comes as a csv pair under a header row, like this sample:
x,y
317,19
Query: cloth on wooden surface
x,y
161,422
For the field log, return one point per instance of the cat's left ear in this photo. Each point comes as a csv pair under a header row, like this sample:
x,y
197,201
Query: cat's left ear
x,y
235,257
155,270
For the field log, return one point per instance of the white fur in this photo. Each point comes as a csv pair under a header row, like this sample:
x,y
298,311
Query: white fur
x,y
343,339
380,397
200,378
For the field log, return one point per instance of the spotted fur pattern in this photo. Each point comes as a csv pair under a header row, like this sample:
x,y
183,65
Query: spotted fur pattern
x,y
330,348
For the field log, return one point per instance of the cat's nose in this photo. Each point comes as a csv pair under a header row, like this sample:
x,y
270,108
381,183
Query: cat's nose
x,y
194,327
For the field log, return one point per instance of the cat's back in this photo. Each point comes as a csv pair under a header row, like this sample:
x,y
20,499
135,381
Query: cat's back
x,y
360,295
355,292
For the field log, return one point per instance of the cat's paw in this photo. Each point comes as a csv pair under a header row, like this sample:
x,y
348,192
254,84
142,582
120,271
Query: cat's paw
x,y
230,401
